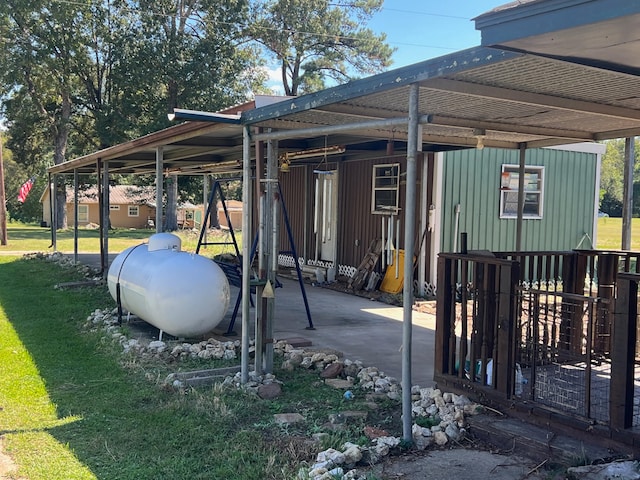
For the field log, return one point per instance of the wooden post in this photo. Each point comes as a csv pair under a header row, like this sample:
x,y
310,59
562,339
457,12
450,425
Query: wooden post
x,y
623,352
607,270
444,310
504,364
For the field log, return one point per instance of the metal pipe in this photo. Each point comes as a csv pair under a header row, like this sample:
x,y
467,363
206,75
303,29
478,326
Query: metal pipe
x,y
271,202
105,206
247,191
397,251
330,129
521,173
456,227
627,197
409,232
75,215
159,185
54,219
51,224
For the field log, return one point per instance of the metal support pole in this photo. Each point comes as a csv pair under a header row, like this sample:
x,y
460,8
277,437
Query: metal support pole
x,y
3,204
159,162
521,170
409,233
331,129
246,252
105,215
627,201
75,215
274,250
54,217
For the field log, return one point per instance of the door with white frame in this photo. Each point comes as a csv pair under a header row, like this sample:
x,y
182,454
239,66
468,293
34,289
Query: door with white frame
x,y
326,215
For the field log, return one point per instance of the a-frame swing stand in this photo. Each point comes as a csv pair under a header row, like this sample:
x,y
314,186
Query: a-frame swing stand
x,y
233,271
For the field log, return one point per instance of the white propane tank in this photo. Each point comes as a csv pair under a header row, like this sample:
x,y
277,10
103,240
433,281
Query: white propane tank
x,y
182,294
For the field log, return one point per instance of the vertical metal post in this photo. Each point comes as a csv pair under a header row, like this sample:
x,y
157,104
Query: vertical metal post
x,y
409,233
105,214
159,162
3,205
247,205
258,345
75,215
100,210
274,198
627,202
521,170
54,217
205,199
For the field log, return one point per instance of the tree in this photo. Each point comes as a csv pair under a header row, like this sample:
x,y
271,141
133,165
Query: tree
x,y
80,76
611,178
313,40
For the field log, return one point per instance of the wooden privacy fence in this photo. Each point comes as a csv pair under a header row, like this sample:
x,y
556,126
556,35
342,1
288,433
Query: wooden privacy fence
x,y
556,329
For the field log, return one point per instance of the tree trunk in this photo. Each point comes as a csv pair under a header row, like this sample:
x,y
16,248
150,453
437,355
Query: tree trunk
x,y
170,216
214,221
61,137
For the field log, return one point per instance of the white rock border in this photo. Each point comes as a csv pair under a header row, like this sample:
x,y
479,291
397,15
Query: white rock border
x,y
444,412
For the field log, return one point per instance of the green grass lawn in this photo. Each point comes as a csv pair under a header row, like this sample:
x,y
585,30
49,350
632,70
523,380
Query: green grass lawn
x,y
610,234
73,407
33,238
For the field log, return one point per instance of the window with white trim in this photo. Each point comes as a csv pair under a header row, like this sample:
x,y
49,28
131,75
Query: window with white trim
x,y
114,207
134,211
83,213
533,191
386,189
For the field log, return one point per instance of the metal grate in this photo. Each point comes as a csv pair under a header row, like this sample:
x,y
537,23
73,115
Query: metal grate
x,y
565,352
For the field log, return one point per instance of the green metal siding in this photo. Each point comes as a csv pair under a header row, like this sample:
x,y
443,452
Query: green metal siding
x,y
471,178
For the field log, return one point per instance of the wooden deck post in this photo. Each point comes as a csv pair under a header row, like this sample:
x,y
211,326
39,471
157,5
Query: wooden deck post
x,y
444,310
504,365
623,352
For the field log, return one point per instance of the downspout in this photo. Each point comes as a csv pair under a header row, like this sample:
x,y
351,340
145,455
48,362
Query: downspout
x,y
409,232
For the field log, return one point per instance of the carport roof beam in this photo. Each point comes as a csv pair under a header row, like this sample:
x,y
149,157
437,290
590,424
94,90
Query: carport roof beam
x,y
331,129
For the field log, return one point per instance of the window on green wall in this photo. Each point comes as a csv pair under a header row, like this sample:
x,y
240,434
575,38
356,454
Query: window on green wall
x,y
533,191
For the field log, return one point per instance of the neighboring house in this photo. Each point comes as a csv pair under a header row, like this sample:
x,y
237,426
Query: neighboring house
x,y
336,211
234,209
129,206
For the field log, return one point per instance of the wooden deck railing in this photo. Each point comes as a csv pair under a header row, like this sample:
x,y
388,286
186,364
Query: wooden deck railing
x,y
546,318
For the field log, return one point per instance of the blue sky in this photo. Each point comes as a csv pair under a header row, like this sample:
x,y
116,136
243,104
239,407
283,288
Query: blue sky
x,y
424,29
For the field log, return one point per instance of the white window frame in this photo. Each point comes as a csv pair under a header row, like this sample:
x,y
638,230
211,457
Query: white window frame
x,y
390,172
133,210
533,187
114,207
83,213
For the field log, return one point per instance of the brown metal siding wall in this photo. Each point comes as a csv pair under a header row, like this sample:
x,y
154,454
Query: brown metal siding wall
x,y
295,186
358,226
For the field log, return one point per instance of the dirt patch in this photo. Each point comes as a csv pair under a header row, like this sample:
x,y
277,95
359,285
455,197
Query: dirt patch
x,y
7,465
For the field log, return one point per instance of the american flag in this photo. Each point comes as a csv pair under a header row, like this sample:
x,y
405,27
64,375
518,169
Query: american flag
x,y
25,189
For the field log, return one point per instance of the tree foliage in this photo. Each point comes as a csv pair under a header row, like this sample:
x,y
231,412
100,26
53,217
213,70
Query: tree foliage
x,y
612,178
81,76
313,40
